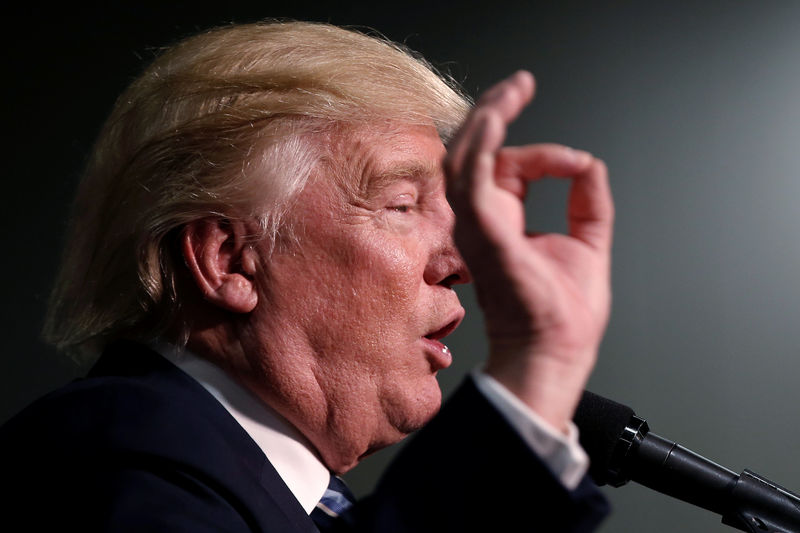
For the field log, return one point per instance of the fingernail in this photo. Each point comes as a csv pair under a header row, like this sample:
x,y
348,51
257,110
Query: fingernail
x,y
522,74
579,157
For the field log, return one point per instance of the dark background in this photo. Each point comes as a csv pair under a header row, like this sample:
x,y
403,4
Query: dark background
x,y
695,106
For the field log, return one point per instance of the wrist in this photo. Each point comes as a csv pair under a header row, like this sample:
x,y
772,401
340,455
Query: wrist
x,y
550,384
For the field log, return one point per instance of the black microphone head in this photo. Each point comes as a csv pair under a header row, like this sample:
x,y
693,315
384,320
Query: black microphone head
x,y
601,422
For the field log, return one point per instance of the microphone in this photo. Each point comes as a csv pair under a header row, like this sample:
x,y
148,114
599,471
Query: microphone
x,y
622,449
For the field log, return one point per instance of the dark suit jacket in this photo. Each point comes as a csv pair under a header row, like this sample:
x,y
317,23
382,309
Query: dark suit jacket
x,y
140,446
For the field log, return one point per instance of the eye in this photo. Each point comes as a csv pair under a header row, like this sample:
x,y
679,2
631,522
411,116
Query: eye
x,y
402,203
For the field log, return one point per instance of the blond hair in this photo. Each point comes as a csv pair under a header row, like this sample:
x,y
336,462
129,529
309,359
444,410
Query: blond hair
x,y
222,124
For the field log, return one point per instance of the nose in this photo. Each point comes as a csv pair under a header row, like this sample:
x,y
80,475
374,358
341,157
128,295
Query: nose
x,y
460,274
445,266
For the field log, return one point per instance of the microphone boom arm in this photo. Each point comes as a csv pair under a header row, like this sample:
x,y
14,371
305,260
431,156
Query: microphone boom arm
x,y
747,502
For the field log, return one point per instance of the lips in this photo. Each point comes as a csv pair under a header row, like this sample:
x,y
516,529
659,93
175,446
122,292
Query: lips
x,y
444,331
439,355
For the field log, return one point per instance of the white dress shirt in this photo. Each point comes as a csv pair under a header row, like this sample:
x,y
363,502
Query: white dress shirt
x,y
287,449
300,466
561,453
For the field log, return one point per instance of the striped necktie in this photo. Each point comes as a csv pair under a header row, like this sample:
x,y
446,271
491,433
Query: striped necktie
x,y
336,500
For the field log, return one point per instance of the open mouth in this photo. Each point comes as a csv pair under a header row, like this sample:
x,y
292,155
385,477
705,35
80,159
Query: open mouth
x,y
439,354
443,332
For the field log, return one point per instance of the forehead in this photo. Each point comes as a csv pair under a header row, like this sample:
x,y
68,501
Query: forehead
x,y
372,157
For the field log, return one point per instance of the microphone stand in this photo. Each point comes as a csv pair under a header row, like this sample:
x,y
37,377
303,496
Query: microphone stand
x,y
747,502
759,505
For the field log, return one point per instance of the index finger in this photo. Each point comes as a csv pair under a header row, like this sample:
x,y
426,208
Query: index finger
x,y
590,210
504,101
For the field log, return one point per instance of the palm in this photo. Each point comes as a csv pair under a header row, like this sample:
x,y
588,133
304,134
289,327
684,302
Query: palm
x,y
545,296
535,271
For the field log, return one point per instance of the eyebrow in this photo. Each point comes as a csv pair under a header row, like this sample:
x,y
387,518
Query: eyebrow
x,y
419,172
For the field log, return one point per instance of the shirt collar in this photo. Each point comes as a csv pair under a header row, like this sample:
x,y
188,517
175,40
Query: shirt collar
x,y
286,448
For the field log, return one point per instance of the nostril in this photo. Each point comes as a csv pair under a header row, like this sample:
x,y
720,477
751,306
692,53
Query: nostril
x,y
446,268
450,280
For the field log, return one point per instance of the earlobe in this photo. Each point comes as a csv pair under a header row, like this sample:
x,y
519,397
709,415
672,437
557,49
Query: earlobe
x,y
221,262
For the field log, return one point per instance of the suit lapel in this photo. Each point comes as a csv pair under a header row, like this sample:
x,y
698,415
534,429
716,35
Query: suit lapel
x,y
187,425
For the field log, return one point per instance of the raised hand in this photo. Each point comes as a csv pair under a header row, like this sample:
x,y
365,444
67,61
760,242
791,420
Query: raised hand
x,y
546,297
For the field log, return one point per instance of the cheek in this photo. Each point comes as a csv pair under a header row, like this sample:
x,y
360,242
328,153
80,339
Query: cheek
x,y
370,316
388,283
382,275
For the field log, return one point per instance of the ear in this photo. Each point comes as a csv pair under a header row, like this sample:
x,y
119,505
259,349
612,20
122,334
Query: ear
x,y
221,262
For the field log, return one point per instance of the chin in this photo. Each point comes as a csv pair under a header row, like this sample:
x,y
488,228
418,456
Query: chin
x,y
421,408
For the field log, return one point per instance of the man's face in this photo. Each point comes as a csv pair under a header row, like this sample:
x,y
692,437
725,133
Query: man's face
x,y
352,310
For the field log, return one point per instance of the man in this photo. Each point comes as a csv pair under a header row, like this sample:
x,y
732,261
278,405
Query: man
x,y
262,250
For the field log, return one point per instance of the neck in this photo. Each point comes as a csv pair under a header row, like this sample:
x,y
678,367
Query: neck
x,y
279,367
